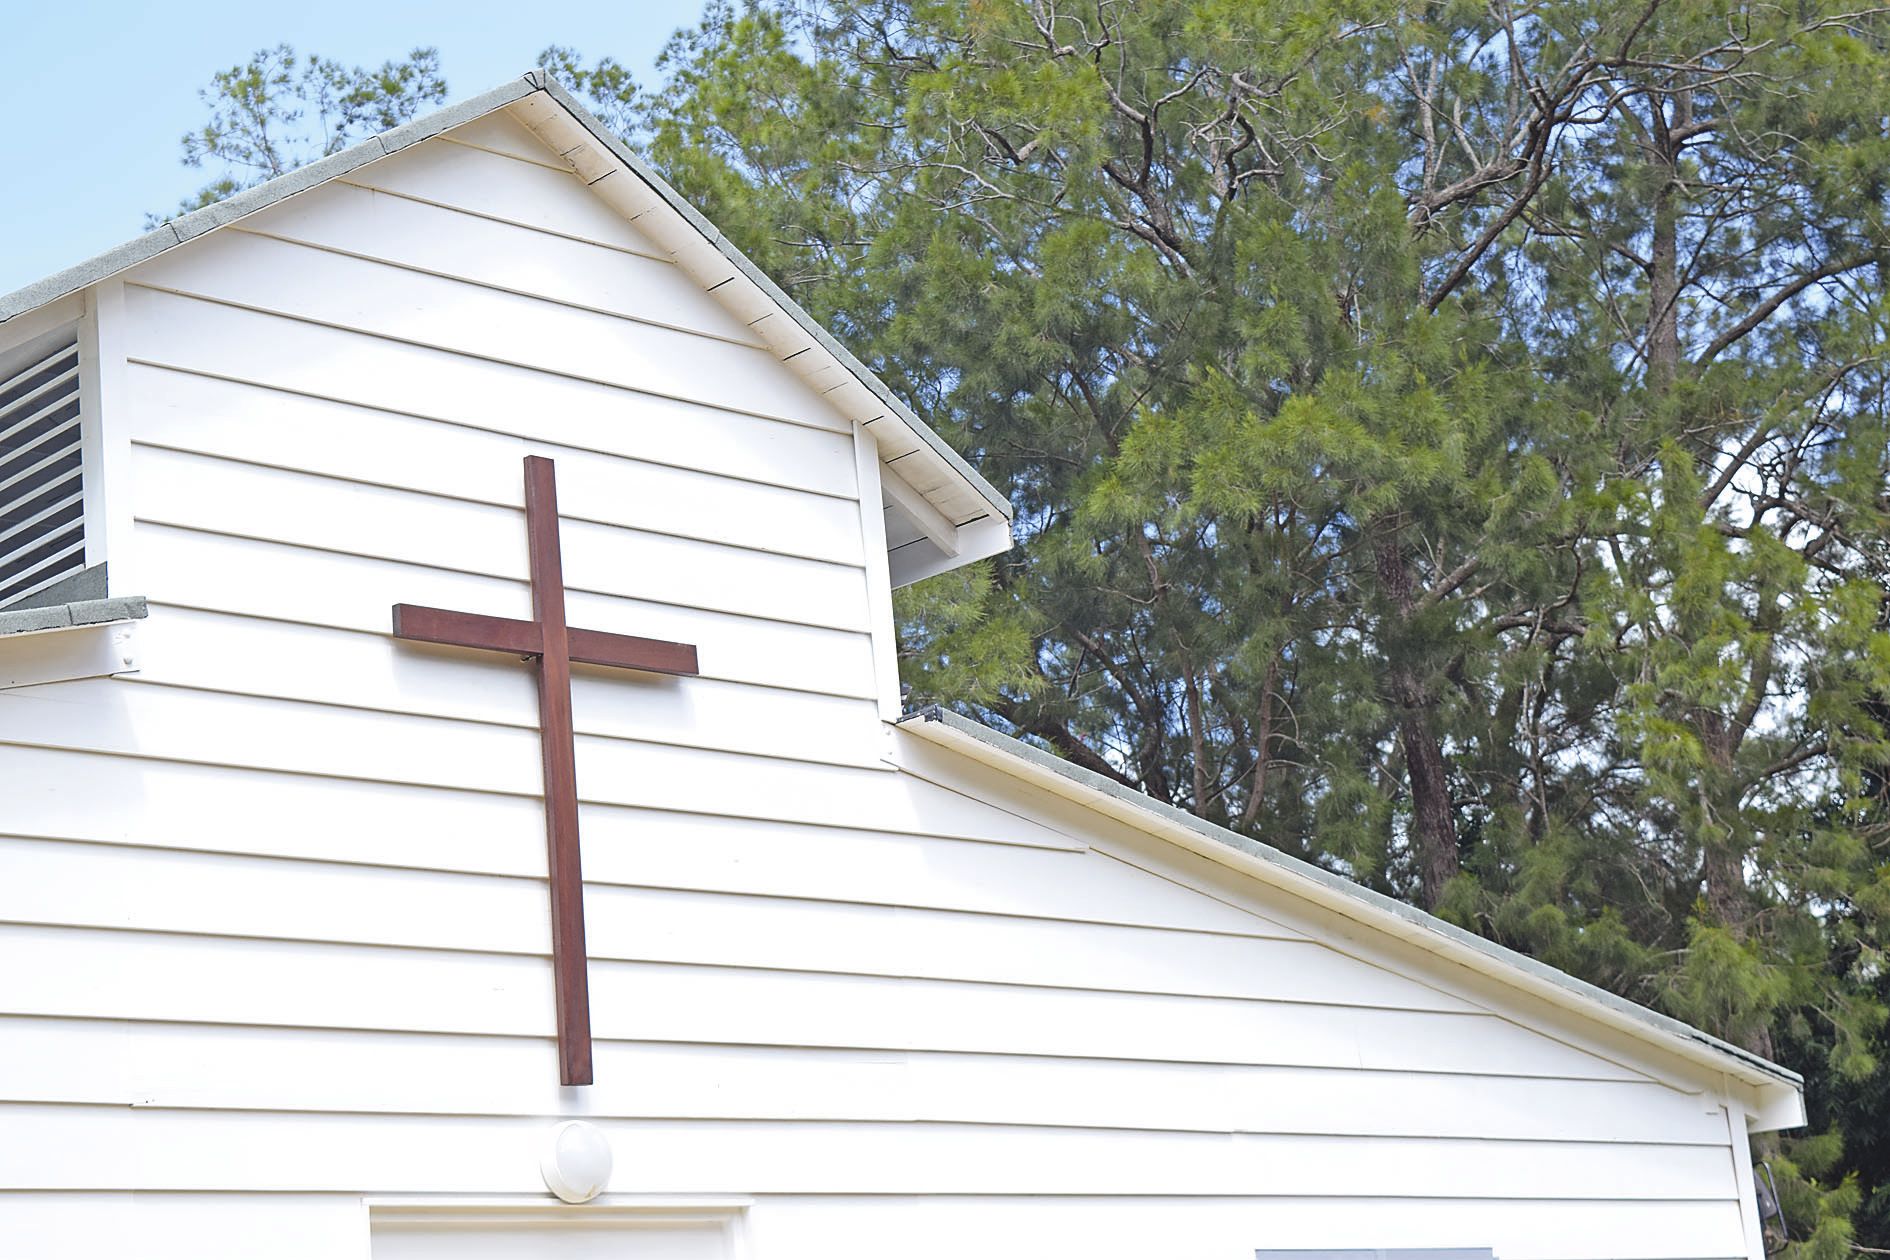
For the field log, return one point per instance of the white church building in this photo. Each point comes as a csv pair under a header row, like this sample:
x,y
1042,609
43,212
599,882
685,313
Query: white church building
x,y
367,537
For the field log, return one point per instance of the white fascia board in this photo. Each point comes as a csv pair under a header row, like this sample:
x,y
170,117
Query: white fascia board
x,y
1777,1092
921,558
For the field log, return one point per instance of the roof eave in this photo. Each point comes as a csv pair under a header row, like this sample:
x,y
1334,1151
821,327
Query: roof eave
x,y
1779,1090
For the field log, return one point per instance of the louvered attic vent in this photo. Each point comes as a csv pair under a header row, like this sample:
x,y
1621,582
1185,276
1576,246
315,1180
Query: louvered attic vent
x,y
42,508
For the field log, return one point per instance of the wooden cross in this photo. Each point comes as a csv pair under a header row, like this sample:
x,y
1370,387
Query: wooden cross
x,y
554,645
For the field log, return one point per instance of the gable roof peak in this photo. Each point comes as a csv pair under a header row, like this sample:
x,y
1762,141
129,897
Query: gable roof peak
x,y
967,519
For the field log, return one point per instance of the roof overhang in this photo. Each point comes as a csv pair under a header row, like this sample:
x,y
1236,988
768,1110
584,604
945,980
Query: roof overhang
x,y
1776,1093
939,512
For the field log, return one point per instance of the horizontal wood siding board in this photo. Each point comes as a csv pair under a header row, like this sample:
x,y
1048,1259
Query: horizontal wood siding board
x,y
205,416
630,861
1030,873
288,356
499,132
193,979
244,656
57,884
164,1064
418,236
306,510
263,274
108,1147
503,188
177,724
378,824
189,569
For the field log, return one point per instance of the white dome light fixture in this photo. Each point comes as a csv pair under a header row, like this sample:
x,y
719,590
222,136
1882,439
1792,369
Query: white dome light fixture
x,y
577,1161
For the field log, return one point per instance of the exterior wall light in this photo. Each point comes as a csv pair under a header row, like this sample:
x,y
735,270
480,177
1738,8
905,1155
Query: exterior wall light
x,y
577,1161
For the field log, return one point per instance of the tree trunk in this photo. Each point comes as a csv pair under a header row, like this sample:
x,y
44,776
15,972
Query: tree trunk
x,y
1433,822
1263,752
1197,743
1722,860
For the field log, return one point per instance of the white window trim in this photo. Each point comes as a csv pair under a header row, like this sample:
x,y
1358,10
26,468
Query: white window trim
x,y
878,573
727,1213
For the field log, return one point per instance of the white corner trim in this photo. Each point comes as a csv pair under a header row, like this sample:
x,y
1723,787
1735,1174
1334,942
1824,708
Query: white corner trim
x,y
107,432
878,575
66,653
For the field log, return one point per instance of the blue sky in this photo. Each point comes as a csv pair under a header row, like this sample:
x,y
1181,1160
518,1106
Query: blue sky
x,y
96,94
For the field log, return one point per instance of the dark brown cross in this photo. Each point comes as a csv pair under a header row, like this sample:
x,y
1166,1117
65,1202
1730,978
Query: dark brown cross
x,y
554,645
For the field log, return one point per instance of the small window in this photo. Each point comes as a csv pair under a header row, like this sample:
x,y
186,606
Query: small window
x,y
42,483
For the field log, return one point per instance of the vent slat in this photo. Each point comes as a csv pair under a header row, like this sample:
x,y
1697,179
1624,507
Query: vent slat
x,y
59,455
58,502
39,375
55,392
41,551
42,489
61,557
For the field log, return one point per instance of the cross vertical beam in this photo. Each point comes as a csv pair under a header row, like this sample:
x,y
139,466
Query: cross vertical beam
x,y
558,743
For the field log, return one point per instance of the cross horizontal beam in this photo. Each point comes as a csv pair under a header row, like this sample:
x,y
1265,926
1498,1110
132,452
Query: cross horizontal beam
x,y
507,634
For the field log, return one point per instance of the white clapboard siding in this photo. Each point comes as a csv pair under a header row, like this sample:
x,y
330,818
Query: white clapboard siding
x,y
498,132
144,976
184,1226
111,1148
527,194
183,412
243,655
385,227
423,828
275,505
224,1067
46,883
212,729
189,569
1033,873
1141,1227
282,278
227,342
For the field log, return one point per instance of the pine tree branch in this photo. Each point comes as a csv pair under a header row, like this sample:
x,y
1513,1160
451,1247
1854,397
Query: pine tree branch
x,y
1765,310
